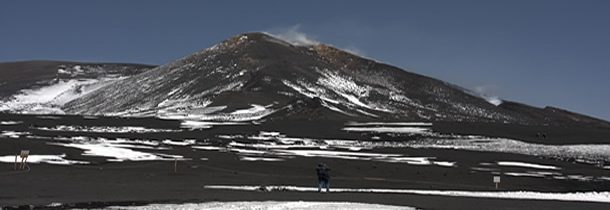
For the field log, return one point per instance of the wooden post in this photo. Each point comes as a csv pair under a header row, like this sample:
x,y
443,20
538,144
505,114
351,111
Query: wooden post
x,y
24,158
25,162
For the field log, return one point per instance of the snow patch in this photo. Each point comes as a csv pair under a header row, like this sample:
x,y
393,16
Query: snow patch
x,y
412,130
279,145
267,205
50,159
519,174
527,165
581,152
48,93
10,122
49,98
117,153
602,197
423,124
444,163
248,158
191,124
179,143
256,112
106,129
214,148
255,109
13,134
391,158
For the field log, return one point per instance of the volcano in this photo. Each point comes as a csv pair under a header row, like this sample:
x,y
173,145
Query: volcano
x,y
256,76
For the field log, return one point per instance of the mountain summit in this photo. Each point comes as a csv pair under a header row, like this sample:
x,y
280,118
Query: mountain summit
x,y
256,75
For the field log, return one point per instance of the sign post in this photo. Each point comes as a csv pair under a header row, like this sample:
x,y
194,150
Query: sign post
x,y
497,181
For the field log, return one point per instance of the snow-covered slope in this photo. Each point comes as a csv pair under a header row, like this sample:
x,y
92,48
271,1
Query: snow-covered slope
x,y
45,86
256,76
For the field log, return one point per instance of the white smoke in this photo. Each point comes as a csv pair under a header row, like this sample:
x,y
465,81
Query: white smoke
x,y
487,92
293,36
355,51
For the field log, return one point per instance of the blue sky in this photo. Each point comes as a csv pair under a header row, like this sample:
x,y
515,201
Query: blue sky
x,y
539,52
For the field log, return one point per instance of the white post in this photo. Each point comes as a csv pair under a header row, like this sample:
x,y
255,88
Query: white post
x,y
176,165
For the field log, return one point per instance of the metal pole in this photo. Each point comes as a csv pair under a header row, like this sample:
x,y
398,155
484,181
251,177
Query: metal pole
x,y
16,161
176,165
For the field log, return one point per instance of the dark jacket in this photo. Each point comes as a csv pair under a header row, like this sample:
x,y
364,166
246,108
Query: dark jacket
x,y
323,172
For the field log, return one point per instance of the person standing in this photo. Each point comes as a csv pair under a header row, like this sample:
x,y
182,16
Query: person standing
x,y
323,177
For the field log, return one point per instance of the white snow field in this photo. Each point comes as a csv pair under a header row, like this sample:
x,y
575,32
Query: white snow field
x,y
422,124
273,144
10,122
586,153
47,99
527,165
116,152
185,142
247,158
392,158
335,89
268,205
50,159
580,152
414,130
212,148
119,149
602,197
197,120
13,134
191,124
106,129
